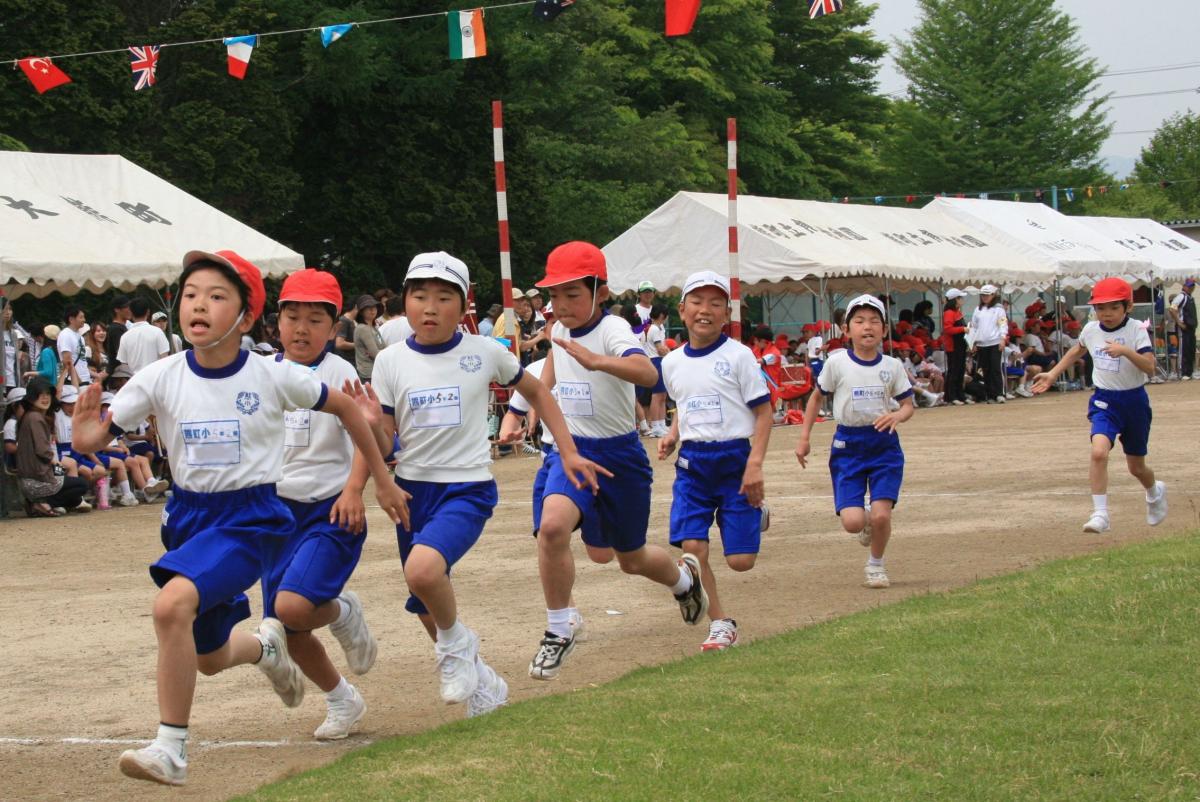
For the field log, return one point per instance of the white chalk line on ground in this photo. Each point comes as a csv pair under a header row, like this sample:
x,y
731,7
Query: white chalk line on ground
x,y
195,744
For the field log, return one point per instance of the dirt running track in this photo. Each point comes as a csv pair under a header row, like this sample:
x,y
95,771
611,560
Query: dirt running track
x,y
988,490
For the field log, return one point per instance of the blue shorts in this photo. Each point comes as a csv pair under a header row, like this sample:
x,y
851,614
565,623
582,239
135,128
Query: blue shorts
x,y
590,525
1124,413
106,457
815,366
447,517
708,480
621,510
143,449
317,560
223,542
80,460
861,457
644,394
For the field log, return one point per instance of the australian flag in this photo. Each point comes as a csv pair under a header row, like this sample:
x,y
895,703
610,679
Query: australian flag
x,y
143,61
819,8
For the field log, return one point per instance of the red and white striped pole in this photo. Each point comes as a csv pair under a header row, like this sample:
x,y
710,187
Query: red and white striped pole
x,y
513,328
735,290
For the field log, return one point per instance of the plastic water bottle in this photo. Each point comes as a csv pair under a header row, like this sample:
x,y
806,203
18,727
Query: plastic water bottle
x,y
102,494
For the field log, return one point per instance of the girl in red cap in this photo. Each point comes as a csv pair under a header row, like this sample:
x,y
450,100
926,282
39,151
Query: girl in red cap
x,y
221,411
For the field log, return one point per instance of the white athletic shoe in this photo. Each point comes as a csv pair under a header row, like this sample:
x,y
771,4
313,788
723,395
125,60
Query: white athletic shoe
x,y
1097,524
126,500
153,763
341,716
722,635
579,632
864,537
277,664
876,577
969,400
491,694
1156,510
764,515
82,506
957,402
357,641
456,666
156,487
1024,392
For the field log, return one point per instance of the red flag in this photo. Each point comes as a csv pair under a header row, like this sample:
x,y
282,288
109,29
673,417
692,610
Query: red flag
x,y
681,15
42,73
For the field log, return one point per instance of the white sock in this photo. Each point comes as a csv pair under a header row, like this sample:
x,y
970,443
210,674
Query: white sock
x,y
1100,504
343,613
1150,494
124,487
573,612
342,692
875,562
558,622
456,631
174,740
661,424
685,582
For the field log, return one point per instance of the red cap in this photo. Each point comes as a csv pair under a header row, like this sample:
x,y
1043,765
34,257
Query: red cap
x,y
1073,325
1035,307
1111,289
572,261
670,342
246,270
1031,322
311,286
1015,332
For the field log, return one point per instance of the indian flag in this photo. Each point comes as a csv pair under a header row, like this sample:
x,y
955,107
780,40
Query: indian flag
x,y
467,39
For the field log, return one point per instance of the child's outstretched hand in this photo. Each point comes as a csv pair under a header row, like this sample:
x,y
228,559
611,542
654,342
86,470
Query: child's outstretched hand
x,y
87,425
366,401
588,359
512,429
394,501
1041,383
574,465
887,422
802,451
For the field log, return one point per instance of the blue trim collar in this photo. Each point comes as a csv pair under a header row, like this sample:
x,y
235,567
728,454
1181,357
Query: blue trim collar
x,y
440,348
589,328
878,358
217,373
688,350
1118,327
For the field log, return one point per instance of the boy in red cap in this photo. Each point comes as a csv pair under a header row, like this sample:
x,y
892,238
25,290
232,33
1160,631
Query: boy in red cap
x,y
221,411
594,362
1122,360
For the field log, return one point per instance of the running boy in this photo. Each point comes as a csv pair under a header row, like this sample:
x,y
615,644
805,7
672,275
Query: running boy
x,y
723,402
871,397
594,362
434,390
323,492
221,414
1122,359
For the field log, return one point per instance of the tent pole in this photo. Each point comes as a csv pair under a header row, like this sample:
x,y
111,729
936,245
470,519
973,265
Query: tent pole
x,y
1058,323
168,304
735,291
887,305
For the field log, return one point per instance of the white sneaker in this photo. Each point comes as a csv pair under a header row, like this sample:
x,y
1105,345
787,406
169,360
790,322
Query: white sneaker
x,y
1024,392
529,448
969,400
341,716
456,666
1006,397
722,635
876,576
126,500
357,641
579,631
277,664
491,694
957,402
1156,510
644,429
864,537
764,515
156,487
153,763
82,506
1185,378
1097,524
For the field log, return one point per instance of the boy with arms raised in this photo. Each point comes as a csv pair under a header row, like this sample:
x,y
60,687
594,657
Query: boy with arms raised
x,y
722,401
594,362
221,414
1122,359
871,397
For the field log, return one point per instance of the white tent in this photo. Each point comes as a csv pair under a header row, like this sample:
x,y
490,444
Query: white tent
x,y
70,222
783,241
1174,256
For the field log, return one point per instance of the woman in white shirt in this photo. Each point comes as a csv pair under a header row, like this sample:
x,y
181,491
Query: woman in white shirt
x,y
989,325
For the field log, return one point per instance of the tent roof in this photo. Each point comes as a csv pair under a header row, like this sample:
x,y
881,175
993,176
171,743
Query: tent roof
x,y
71,222
783,241
1173,255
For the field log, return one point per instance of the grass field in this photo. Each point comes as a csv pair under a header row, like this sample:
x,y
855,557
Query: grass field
x,y
1075,680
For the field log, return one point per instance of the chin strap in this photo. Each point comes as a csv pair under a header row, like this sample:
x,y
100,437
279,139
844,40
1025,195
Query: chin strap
x,y
232,329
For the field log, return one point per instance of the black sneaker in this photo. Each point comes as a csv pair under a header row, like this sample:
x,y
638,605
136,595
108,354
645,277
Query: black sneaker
x,y
693,604
552,651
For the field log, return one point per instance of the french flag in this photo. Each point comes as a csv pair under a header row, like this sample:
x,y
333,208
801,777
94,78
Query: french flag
x,y
240,48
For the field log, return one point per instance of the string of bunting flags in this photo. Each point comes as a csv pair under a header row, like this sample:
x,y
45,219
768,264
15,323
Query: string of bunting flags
x,y
1038,194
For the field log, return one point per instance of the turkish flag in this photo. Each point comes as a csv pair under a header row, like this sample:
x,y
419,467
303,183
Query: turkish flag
x,y
42,73
681,14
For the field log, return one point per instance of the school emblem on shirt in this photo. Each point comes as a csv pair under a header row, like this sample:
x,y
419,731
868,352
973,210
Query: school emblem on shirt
x,y
885,375
471,363
248,402
722,368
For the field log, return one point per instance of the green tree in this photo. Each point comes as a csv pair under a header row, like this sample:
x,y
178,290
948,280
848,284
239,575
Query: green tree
x,y
1002,93
1172,158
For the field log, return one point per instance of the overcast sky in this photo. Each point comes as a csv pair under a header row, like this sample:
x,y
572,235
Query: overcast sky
x,y
1121,35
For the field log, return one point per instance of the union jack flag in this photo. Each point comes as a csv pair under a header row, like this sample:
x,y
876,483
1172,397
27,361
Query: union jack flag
x,y
143,61
819,8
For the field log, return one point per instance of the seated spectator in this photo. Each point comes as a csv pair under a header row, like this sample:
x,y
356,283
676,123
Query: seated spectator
x,y
1035,354
923,318
145,487
13,412
921,386
42,478
771,361
89,469
1013,363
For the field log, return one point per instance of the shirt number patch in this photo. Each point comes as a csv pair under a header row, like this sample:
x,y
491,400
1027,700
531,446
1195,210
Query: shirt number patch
x,y
212,442
575,399
436,407
296,429
1103,361
869,400
701,409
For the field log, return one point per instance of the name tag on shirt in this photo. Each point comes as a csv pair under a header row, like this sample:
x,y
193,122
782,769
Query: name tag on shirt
x,y
212,442
436,407
1103,361
871,400
296,429
575,399
701,409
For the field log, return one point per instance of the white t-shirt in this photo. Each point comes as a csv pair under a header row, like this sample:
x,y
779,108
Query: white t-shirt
x,y
223,429
62,428
716,389
141,345
1116,372
989,324
815,344
595,403
396,330
439,397
317,448
643,312
1068,342
862,391
10,430
1035,341
652,337
70,349
518,403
